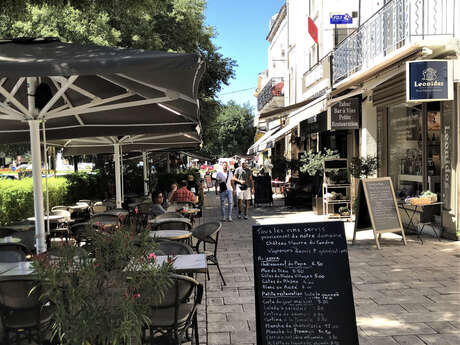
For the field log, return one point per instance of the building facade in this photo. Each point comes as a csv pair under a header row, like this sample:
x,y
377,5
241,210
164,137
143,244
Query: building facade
x,y
363,67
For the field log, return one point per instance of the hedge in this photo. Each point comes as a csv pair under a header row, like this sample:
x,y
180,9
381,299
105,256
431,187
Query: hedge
x,y
17,197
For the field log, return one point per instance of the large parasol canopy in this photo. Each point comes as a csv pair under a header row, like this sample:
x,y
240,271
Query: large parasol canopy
x,y
77,90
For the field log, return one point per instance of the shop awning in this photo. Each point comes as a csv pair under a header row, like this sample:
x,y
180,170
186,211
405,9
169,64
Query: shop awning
x,y
254,147
304,113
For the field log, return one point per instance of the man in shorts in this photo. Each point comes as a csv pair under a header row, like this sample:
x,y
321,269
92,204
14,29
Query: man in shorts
x,y
244,188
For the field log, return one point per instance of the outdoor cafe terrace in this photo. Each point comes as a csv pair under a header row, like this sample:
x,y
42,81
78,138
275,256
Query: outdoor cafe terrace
x,y
402,294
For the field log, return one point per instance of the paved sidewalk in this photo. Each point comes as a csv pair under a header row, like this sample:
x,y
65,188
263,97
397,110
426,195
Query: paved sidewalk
x,y
403,295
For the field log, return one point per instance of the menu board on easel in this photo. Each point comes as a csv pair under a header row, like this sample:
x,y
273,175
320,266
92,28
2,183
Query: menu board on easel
x,y
377,208
302,285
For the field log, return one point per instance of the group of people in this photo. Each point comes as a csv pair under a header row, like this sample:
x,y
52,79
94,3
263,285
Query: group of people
x,y
184,191
227,182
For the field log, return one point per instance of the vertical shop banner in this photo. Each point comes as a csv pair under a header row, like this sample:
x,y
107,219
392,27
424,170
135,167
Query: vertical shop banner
x,y
344,114
429,80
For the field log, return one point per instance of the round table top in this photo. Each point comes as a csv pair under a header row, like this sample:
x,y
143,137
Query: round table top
x,y
79,207
171,234
50,217
191,210
10,239
167,220
117,212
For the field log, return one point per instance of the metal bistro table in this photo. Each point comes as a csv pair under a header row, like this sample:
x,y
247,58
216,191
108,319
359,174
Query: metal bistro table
x,y
51,217
193,263
181,221
411,210
173,235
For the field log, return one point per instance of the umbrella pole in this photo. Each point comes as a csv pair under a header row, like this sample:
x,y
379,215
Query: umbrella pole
x,y
45,150
34,126
116,158
122,175
146,185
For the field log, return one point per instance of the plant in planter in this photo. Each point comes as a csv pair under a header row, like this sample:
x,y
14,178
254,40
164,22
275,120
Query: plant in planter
x,y
105,297
312,165
312,162
363,166
344,211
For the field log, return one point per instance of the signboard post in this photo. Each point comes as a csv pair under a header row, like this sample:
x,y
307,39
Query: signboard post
x,y
377,208
302,285
429,80
344,114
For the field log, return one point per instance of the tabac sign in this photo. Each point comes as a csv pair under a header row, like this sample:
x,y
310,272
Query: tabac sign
x,y
344,114
429,80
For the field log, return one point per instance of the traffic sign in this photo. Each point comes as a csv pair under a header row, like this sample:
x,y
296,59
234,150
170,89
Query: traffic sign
x,y
341,19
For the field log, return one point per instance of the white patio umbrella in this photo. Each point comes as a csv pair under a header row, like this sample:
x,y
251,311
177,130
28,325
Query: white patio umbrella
x,y
83,90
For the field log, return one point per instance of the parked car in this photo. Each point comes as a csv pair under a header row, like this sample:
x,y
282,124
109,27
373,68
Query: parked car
x,y
9,177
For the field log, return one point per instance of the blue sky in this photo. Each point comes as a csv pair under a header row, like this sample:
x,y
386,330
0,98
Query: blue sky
x,y
242,27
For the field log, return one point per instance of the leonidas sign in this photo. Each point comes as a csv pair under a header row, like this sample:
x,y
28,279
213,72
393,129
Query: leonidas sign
x,y
344,114
429,80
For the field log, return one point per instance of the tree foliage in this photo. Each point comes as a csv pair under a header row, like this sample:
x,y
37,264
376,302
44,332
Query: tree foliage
x,y
233,131
167,25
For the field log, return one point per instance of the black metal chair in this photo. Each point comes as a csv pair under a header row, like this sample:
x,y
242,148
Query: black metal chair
x,y
27,239
13,252
102,221
173,224
80,233
167,247
4,232
427,217
22,309
176,314
169,215
208,233
60,228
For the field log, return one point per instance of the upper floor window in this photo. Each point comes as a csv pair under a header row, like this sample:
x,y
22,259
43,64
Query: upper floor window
x,y
314,8
313,55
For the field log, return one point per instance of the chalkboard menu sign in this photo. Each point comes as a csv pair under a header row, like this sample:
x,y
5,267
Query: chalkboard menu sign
x,y
303,285
377,208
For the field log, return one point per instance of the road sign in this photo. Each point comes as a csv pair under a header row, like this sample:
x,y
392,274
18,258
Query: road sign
x,y
341,19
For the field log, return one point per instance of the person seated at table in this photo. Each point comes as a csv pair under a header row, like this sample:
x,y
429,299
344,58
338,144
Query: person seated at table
x,y
171,193
183,194
191,184
157,208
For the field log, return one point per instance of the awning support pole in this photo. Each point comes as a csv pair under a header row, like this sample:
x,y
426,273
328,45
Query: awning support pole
x,y
34,125
116,159
146,178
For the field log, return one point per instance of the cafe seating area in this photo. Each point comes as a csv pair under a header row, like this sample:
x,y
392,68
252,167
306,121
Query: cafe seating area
x,y
186,246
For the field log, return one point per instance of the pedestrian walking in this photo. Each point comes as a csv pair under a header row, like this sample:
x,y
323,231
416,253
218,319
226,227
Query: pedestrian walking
x,y
225,182
244,188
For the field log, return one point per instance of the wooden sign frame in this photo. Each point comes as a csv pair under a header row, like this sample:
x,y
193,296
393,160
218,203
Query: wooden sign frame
x,y
377,233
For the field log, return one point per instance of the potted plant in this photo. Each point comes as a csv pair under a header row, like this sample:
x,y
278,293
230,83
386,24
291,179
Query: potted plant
x,y
105,297
344,211
312,164
363,166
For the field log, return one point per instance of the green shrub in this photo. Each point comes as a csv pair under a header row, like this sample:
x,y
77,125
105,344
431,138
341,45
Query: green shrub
x,y
17,197
82,185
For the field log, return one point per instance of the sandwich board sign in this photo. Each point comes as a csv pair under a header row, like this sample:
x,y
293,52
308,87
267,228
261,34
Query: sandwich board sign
x,y
377,208
302,285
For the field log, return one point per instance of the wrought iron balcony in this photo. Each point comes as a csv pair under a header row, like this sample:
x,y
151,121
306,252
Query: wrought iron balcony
x,y
271,96
397,24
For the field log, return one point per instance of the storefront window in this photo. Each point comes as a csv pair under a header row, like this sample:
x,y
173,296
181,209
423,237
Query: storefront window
x,y
406,149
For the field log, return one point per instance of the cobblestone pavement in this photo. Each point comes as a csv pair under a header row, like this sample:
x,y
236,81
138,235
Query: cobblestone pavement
x,y
403,295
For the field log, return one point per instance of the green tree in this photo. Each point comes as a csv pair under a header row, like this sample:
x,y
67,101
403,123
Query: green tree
x,y
168,25
233,131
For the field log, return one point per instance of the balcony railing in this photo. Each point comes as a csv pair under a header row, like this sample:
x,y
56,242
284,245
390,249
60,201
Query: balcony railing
x,y
395,25
274,88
